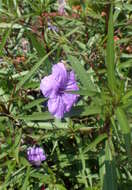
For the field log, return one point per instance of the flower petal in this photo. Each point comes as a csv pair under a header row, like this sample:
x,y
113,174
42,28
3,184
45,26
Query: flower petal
x,y
38,158
69,100
49,86
71,82
42,157
37,150
59,73
32,151
56,107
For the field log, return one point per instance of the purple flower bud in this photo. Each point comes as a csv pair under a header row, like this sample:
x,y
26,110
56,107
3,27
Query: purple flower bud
x,y
36,155
55,87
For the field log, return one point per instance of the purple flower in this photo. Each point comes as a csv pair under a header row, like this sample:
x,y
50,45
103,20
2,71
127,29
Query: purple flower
x,y
52,27
36,155
62,5
55,87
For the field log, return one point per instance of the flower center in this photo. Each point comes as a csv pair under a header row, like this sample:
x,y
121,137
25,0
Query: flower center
x,y
61,91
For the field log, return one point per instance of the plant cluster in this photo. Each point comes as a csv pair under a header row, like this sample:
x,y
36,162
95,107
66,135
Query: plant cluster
x,y
90,146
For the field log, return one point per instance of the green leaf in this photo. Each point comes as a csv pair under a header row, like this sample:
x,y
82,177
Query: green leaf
x,y
46,125
38,116
26,182
72,32
33,103
16,146
84,77
125,129
102,166
110,178
15,176
17,8
83,111
46,179
123,121
127,6
10,25
4,39
37,44
125,55
33,70
99,139
127,96
60,187
83,92
11,167
124,65
4,154
83,162
110,56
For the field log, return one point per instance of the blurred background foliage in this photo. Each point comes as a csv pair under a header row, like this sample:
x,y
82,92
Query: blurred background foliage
x,y
90,148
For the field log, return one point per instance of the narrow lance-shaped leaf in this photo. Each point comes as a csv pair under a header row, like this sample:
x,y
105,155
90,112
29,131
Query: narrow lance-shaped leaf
x,y
40,48
125,128
4,39
102,166
99,139
36,44
16,146
26,180
83,111
84,77
38,116
34,69
110,177
33,103
110,56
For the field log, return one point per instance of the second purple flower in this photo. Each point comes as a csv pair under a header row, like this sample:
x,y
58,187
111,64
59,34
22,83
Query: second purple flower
x,y
55,87
36,155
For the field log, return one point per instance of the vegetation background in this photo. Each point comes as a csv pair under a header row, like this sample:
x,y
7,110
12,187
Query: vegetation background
x,y
90,149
